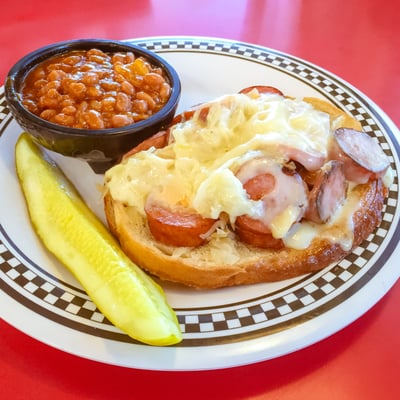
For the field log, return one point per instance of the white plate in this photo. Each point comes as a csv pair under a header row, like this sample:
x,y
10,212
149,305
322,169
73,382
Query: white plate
x,y
222,328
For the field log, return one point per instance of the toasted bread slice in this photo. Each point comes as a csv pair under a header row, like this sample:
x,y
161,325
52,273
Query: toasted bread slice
x,y
227,261
198,268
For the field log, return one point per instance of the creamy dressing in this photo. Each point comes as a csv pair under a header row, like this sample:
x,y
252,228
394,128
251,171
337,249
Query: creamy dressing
x,y
339,229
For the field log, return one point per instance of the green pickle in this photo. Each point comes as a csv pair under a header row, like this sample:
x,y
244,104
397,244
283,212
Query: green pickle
x,y
125,294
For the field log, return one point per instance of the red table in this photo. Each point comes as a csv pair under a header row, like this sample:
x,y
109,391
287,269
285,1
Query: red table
x,y
358,41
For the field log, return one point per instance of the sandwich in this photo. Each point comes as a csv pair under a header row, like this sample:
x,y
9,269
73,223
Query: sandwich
x,y
250,187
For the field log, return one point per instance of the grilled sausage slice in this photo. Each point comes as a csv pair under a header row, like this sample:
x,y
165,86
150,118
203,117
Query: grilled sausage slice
x,y
328,192
177,227
363,158
281,190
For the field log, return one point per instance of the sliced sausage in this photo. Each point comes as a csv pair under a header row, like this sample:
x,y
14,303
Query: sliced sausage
x,y
250,230
363,158
328,192
279,189
262,89
256,233
187,115
178,227
158,141
162,138
309,177
259,186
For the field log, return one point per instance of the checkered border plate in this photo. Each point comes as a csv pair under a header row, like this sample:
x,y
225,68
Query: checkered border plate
x,y
312,295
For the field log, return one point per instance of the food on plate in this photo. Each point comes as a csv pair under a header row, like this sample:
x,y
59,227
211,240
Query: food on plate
x,y
93,89
250,187
128,297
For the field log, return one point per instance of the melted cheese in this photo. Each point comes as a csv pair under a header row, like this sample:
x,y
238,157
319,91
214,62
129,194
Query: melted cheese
x,y
300,235
197,169
338,230
388,178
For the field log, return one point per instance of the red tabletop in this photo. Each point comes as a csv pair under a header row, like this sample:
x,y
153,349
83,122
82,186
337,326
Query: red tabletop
x,y
357,40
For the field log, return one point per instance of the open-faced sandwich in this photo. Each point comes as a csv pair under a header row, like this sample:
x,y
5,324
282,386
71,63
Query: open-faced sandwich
x,y
251,187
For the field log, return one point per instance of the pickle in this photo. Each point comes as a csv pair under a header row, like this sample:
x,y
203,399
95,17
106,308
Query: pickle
x,y
124,293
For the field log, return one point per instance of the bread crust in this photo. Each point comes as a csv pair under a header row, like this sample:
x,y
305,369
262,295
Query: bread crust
x,y
255,265
259,265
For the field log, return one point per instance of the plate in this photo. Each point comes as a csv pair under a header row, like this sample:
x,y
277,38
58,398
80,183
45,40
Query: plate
x,y
221,328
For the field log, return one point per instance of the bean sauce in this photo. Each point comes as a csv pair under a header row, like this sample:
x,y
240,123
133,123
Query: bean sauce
x,y
90,89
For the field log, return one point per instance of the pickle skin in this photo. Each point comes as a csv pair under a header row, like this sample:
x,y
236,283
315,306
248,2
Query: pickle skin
x,y
124,293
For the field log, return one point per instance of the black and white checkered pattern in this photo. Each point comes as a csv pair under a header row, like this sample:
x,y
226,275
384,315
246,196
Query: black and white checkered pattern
x,y
4,111
53,294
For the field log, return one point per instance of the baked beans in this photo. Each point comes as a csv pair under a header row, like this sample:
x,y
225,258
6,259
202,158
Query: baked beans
x,y
90,89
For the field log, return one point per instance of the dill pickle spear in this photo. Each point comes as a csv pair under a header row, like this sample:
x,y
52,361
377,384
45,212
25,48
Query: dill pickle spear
x,y
125,294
